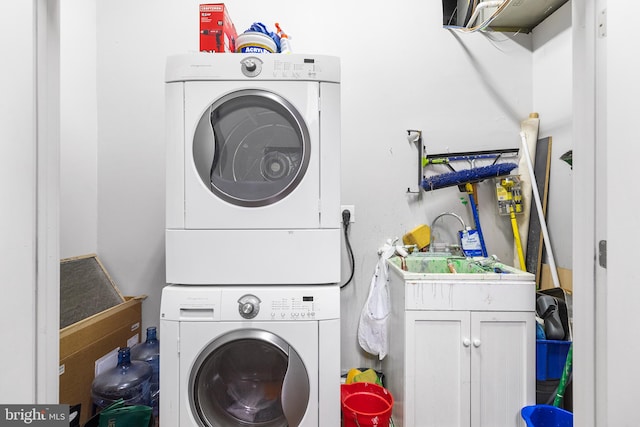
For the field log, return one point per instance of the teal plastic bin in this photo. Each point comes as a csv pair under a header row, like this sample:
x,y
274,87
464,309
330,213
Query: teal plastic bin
x,y
546,416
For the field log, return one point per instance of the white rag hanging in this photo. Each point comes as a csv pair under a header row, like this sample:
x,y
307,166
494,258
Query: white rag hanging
x,y
374,318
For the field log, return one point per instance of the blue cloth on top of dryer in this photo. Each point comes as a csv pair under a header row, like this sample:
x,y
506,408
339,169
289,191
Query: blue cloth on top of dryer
x,y
374,318
259,27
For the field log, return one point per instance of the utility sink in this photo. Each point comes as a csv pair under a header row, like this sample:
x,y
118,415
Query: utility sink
x,y
429,264
443,282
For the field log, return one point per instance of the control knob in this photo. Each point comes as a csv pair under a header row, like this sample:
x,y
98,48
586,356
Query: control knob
x,y
249,306
251,67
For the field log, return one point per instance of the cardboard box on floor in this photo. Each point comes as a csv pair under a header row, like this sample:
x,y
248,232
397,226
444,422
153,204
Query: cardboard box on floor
x,y
565,276
85,341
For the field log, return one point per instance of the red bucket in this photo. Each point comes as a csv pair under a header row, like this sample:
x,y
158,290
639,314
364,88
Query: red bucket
x,y
365,404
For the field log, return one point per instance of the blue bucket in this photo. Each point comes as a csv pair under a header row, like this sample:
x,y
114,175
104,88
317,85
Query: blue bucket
x,y
546,416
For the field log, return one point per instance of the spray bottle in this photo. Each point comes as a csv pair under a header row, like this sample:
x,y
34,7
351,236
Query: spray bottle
x,y
284,40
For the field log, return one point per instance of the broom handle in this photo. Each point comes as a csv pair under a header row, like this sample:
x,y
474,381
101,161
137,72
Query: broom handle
x,y
516,238
476,217
543,223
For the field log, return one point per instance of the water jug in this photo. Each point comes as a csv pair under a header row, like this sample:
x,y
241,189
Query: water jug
x,y
149,351
129,380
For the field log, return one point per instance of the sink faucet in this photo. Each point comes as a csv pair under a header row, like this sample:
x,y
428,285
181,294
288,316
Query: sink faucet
x,y
455,215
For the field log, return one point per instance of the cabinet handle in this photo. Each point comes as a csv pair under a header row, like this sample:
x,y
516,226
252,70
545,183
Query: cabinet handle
x,y
476,343
466,342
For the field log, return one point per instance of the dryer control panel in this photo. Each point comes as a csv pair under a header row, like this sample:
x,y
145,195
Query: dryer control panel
x,y
305,68
243,66
288,68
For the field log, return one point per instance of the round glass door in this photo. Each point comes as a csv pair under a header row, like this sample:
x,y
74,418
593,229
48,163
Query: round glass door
x,y
240,380
251,148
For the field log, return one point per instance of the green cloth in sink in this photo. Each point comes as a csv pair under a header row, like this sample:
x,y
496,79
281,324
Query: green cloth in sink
x,y
439,265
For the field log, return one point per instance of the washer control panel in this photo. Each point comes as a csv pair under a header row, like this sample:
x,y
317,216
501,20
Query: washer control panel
x,y
290,303
293,308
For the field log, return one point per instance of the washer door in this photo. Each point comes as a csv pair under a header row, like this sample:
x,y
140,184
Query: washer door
x,y
249,377
251,148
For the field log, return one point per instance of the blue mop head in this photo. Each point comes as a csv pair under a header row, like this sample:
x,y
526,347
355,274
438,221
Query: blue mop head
x,y
467,175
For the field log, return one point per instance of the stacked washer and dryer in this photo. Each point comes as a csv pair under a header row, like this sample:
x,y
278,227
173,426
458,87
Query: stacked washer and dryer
x,y
250,319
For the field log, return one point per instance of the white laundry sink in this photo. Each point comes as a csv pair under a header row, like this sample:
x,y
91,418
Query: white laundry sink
x,y
441,282
436,264
464,341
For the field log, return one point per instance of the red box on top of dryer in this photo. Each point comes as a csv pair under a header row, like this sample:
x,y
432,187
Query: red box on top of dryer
x,y
217,32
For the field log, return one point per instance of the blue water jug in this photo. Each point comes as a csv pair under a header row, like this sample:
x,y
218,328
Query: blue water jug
x,y
149,352
129,380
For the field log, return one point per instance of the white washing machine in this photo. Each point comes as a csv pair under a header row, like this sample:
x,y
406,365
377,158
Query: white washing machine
x,y
265,356
253,169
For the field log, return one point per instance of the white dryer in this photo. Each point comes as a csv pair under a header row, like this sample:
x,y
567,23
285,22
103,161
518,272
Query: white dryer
x,y
264,356
253,169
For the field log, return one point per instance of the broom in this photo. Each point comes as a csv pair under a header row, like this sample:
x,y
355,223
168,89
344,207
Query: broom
x,y
462,177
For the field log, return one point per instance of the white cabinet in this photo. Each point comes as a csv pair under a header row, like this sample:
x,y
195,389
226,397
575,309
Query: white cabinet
x,y
467,368
460,361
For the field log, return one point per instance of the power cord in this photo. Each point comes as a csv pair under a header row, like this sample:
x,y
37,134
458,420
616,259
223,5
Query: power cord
x,y
346,222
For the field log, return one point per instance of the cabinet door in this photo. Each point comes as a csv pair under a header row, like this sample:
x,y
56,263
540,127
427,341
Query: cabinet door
x,y
502,366
437,360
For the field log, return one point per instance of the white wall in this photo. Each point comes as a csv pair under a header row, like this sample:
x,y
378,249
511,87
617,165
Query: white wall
x,y
552,95
400,70
79,132
18,212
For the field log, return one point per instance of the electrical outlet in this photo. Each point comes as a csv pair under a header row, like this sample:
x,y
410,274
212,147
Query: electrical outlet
x,y
352,211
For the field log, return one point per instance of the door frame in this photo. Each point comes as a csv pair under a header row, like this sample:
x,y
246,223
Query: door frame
x,y
587,392
47,193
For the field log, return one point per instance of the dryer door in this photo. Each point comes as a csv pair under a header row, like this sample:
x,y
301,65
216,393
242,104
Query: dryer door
x,y
252,156
249,377
251,148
